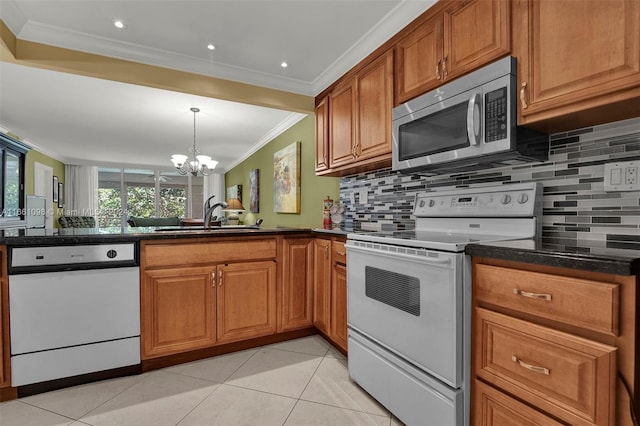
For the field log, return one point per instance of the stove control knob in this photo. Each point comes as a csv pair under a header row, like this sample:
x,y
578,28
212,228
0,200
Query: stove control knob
x,y
421,204
432,203
523,198
506,199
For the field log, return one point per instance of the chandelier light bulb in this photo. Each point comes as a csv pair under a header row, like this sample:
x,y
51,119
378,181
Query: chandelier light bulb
x,y
196,163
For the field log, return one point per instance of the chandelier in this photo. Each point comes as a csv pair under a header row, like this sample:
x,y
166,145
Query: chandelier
x,y
202,164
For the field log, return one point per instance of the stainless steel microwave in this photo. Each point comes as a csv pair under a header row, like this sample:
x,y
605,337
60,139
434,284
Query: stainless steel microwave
x,y
466,124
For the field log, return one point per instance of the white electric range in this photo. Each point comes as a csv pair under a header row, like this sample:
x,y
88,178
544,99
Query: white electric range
x,y
409,298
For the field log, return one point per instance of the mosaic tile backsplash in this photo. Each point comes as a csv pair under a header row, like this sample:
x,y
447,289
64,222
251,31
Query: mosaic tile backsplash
x,y
576,207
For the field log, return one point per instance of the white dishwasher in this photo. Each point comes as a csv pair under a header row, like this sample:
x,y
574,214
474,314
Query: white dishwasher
x,y
73,310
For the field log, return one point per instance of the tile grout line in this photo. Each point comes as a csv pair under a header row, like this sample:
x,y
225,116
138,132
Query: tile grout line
x,y
47,410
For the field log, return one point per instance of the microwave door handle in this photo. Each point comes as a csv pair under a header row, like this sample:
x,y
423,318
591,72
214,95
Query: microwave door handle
x,y
474,122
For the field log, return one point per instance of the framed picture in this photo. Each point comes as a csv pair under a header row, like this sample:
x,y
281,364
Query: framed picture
x,y
254,191
286,179
55,189
61,195
234,191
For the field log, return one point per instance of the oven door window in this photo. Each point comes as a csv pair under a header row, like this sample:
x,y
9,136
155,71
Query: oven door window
x,y
396,290
444,130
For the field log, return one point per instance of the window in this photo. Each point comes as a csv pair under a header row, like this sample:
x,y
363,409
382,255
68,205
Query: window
x,y
146,193
12,177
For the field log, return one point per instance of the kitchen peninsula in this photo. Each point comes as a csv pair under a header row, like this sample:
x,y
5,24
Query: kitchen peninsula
x,y
202,292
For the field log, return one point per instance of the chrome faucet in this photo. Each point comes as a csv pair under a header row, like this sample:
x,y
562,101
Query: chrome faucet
x,y
207,204
209,212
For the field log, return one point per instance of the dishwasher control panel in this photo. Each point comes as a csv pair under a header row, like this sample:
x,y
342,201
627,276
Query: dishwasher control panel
x,y
87,254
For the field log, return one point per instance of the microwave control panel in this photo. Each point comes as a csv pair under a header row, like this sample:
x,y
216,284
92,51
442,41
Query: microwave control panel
x,y
495,115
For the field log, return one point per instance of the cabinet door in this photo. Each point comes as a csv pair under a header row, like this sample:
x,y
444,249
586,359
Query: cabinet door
x,y
322,285
339,306
297,290
419,60
374,105
475,33
577,55
246,300
493,408
342,125
567,376
322,135
178,308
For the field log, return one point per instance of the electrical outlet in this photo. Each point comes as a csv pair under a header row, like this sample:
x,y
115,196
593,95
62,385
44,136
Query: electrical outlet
x,y
622,176
631,175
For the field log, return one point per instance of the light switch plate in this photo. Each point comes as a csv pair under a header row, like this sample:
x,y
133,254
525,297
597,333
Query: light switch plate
x,y
622,176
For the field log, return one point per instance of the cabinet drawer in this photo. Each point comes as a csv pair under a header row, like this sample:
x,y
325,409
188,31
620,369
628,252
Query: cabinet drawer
x,y
567,376
494,408
339,252
157,255
593,305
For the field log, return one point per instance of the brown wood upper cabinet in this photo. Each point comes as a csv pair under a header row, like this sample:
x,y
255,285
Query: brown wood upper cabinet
x,y
357,135
322,135
578,62
456,38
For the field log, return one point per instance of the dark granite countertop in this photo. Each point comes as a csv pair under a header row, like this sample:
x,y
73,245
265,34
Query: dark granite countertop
x,y
585,255
70,236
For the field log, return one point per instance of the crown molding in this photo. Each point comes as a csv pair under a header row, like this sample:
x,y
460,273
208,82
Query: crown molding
x,y
390,25
75,40
12,16
405,12
283,126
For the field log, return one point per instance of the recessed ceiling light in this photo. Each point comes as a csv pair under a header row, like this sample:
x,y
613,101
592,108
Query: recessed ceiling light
x,y
210,46
119,24
284,65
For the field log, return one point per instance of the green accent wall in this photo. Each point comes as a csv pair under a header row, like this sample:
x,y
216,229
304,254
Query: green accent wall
x,y
313,189
58,170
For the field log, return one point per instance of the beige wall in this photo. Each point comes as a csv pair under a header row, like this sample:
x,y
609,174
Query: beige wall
x,y
313,188
58,170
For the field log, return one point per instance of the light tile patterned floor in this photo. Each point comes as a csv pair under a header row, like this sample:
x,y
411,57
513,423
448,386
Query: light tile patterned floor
x,y
299,382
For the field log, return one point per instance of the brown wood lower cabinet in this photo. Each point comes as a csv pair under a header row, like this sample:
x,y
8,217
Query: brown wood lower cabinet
x,y
339,306
297,283
192,299
246,300
5,353
330,290
178,310
498,409
552,345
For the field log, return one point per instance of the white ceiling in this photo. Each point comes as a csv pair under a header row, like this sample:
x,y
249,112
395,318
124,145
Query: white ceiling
x,y
83,120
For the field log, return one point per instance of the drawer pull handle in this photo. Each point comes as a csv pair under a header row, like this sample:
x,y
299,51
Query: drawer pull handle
x,y
341,253
530,367
543,296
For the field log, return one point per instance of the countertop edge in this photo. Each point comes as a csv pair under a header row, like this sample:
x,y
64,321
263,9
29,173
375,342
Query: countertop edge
x,y
592,262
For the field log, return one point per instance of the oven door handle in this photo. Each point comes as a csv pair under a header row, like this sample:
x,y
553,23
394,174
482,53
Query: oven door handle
x,y
445,262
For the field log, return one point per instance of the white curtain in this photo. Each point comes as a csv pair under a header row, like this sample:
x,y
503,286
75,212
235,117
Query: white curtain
x,y
81,190
214,184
